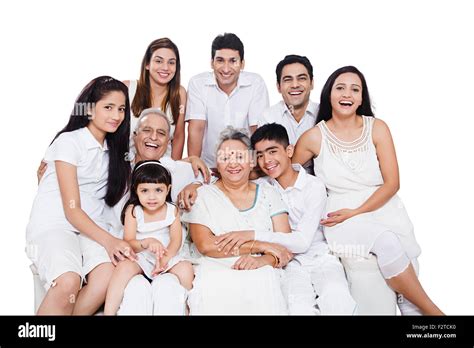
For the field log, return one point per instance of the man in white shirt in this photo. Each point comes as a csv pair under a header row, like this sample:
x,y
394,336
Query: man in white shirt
x,y
225,96
314,282
296,112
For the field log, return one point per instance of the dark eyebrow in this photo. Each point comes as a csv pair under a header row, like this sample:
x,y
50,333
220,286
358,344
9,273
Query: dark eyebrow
x,y
163,58
267,149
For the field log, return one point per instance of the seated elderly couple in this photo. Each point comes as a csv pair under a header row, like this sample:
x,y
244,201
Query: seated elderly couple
x,y
243,233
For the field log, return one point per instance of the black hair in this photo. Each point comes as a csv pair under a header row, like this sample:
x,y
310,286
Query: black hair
x,y
230,41
271,131
117,142
291,59
325,108
146,172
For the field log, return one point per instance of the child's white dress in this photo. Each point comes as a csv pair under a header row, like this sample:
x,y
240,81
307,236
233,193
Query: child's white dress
x,y
159,230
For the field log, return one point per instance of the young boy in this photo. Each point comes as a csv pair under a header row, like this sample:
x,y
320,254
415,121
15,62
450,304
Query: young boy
x,y
314,281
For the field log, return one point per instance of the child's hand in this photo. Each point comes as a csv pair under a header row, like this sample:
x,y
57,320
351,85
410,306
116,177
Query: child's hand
x,y
160,265
155,246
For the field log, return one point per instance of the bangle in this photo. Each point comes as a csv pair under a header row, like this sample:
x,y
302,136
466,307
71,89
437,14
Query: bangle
x,y
276,261
250,251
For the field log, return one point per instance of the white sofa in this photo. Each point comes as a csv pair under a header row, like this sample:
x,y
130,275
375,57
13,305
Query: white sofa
x,y
366,284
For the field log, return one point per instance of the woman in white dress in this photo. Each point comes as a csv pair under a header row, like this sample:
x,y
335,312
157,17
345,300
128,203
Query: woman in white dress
x,y
355,157
159,87
247,280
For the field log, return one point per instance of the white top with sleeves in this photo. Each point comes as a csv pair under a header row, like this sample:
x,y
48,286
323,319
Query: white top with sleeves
x,y
241,109
306,201
280,114
181,175
216,211
351,173
132,90
217,288
82,150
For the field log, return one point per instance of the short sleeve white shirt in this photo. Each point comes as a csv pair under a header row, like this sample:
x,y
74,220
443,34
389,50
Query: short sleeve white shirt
x,y
279,113
241,109
91,159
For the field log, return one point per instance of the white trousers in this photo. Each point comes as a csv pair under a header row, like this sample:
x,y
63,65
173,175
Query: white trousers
x,y
163,296
319,287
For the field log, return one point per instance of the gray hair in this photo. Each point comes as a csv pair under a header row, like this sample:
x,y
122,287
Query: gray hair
x,y
231,133
152,111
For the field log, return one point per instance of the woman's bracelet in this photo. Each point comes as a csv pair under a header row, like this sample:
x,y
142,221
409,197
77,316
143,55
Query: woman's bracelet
x,y
276,261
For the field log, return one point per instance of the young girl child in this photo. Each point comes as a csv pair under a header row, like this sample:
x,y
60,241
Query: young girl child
x,y
153,229
355,158
159,87
66,235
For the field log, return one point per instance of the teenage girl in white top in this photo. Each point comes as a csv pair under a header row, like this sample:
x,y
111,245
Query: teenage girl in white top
x,y
66,235
153,229
355,158
159,87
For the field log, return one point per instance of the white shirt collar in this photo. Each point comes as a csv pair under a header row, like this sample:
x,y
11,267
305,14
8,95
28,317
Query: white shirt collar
x,y
243,80
311,109
300,180
90,142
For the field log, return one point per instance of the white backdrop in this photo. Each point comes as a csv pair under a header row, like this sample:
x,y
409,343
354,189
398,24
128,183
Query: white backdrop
x,y
416,56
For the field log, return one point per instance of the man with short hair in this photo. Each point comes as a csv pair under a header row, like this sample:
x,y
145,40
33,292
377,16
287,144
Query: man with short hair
x,y
296,112
225,96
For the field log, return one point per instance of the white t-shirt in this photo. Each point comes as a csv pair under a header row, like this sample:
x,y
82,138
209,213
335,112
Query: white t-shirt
x,y
280,114
306,201
82,150
241,109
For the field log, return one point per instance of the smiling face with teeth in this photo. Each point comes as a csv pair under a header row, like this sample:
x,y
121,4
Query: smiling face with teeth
x,y
346,94
152,138
162,66
295,86
227,66
273,158
234,161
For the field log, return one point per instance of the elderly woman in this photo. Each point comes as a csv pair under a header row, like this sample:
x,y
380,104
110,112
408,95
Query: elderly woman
x,y
164,295
245,281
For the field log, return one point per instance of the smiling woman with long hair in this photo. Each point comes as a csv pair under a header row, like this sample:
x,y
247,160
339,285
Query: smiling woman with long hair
x,y
87,168
355,158
159,87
